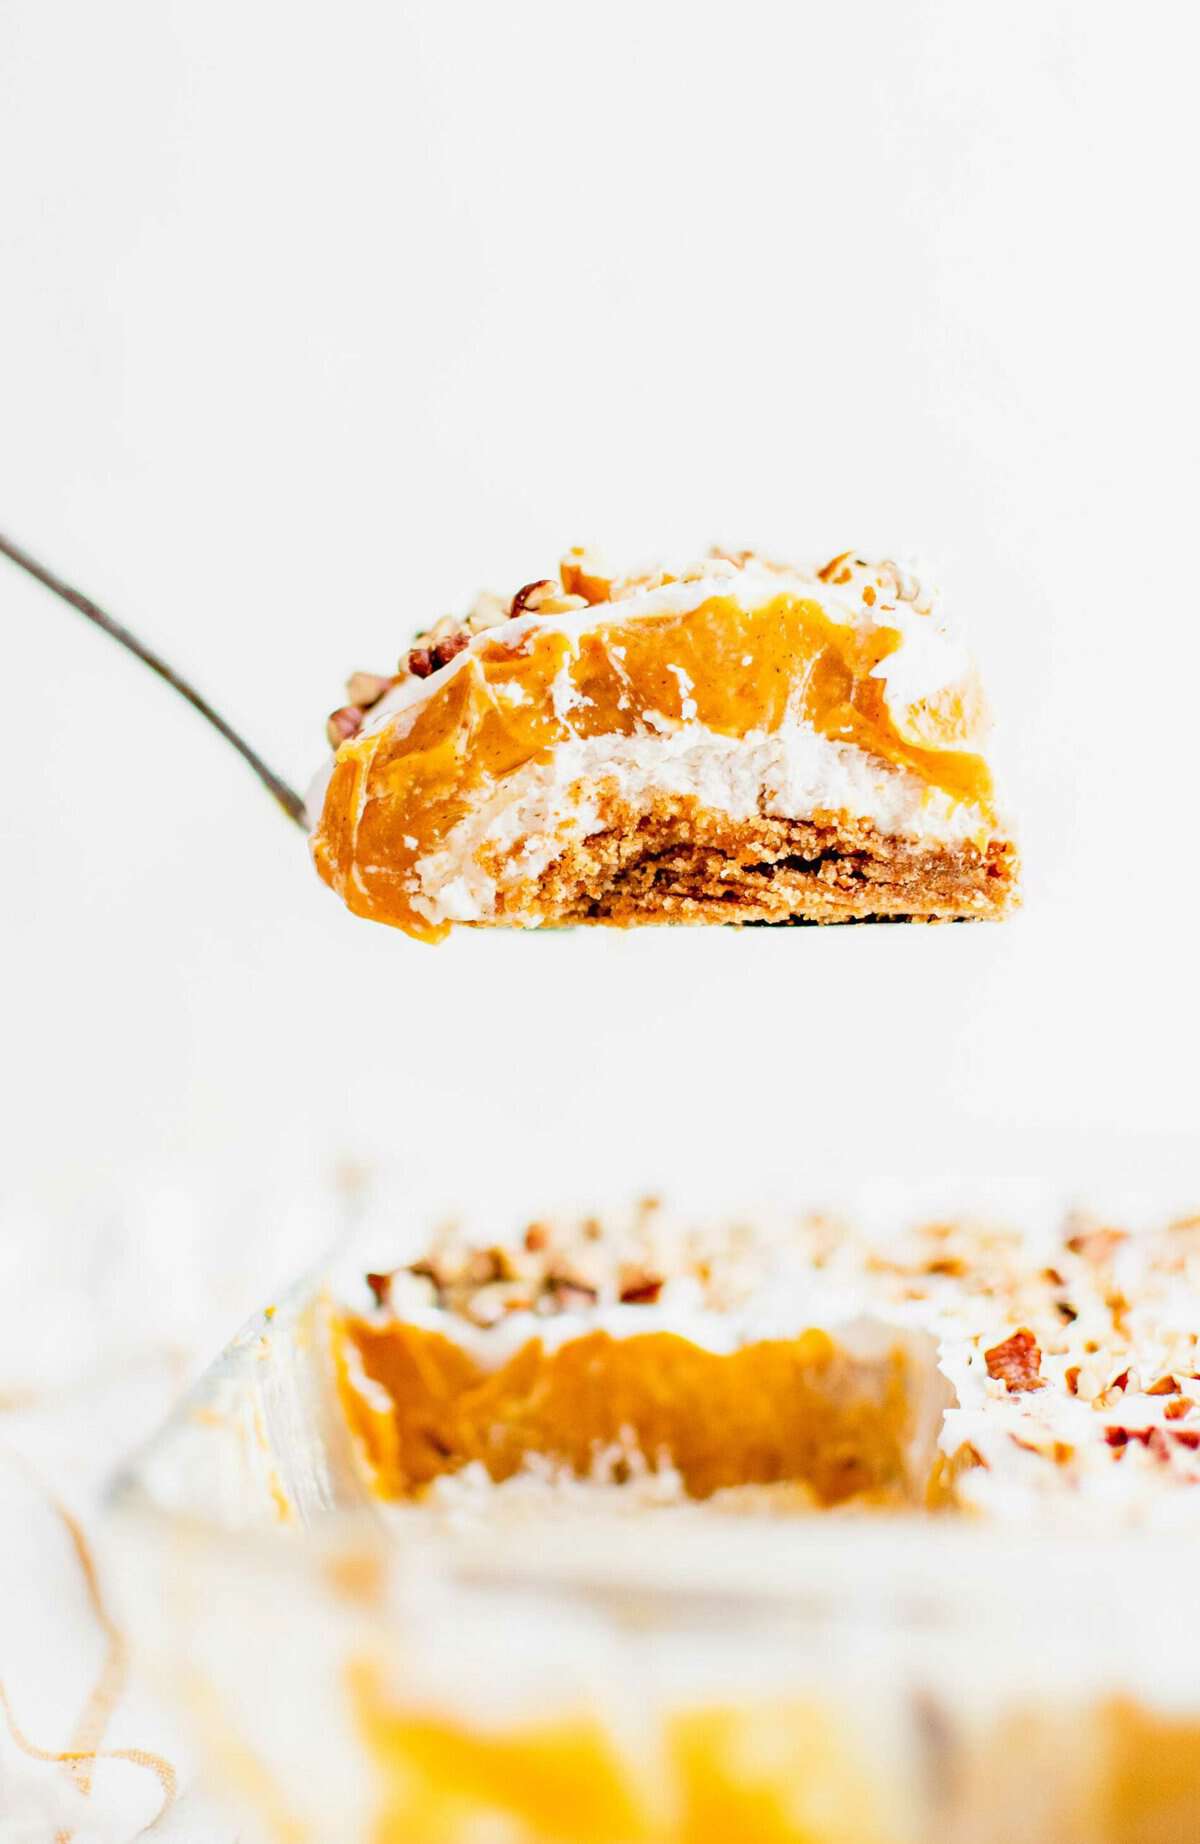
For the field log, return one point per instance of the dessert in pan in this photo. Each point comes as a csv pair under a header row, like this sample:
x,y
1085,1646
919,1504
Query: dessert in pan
x,y
999,1398
961,1365
830,1531
738,740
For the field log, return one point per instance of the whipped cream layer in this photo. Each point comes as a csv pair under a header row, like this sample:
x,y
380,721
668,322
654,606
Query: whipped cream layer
x,y
791,773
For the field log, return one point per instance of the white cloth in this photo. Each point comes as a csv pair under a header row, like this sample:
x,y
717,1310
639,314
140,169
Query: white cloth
x,y
108,1306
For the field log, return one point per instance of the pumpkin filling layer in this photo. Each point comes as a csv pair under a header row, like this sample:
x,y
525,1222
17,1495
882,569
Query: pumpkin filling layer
x,y
781,1411
456,796
784,1771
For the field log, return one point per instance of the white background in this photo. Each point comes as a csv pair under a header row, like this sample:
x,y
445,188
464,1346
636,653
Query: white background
x,y
316,319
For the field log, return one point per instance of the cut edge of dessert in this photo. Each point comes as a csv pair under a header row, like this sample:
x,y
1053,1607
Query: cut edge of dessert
x,y
737,741
784,1366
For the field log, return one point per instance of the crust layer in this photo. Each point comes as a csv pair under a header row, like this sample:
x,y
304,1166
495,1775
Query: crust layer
x,y
673,861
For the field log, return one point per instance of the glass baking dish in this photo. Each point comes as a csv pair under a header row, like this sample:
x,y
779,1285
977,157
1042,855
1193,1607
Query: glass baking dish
x,y
359,1672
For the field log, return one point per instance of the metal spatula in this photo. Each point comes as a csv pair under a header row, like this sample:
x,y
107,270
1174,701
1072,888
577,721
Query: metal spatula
x,y
286,796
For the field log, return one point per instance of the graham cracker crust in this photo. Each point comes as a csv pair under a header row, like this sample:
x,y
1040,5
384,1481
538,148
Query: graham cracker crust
x,y
677,862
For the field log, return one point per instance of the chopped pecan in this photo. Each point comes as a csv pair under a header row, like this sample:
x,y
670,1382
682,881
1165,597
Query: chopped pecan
x,y
427,1270
567,1284
529,599
443,651
1016,1362
493,1301
837,570
638,1286
342,724
487,610
1097,1245
1071,1379
904,585
560,1295
381,1287
1061,1452
545,597
1178,1407
436,653
483,1266
1153,1439
1166,1386
367,688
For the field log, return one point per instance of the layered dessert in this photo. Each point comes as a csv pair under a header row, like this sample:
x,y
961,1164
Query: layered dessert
x,y
961,1364
737,741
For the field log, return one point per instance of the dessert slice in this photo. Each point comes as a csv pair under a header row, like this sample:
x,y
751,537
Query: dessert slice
x,y
743,741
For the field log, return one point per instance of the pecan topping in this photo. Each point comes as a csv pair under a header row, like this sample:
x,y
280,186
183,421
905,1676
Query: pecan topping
x,y
381,1287
1152,1439
837,570
528,600
424,660
638,1286
426,1270
364,690
1178,1407
342,724
487,610
562,1292
1166,1386
1016,1362
449,648
367,688
486,1265
1097,1245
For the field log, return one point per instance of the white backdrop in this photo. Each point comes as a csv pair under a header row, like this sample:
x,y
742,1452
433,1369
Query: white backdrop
x,y
317,318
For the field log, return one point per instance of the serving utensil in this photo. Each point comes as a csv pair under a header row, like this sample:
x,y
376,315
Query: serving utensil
x,y
286,796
